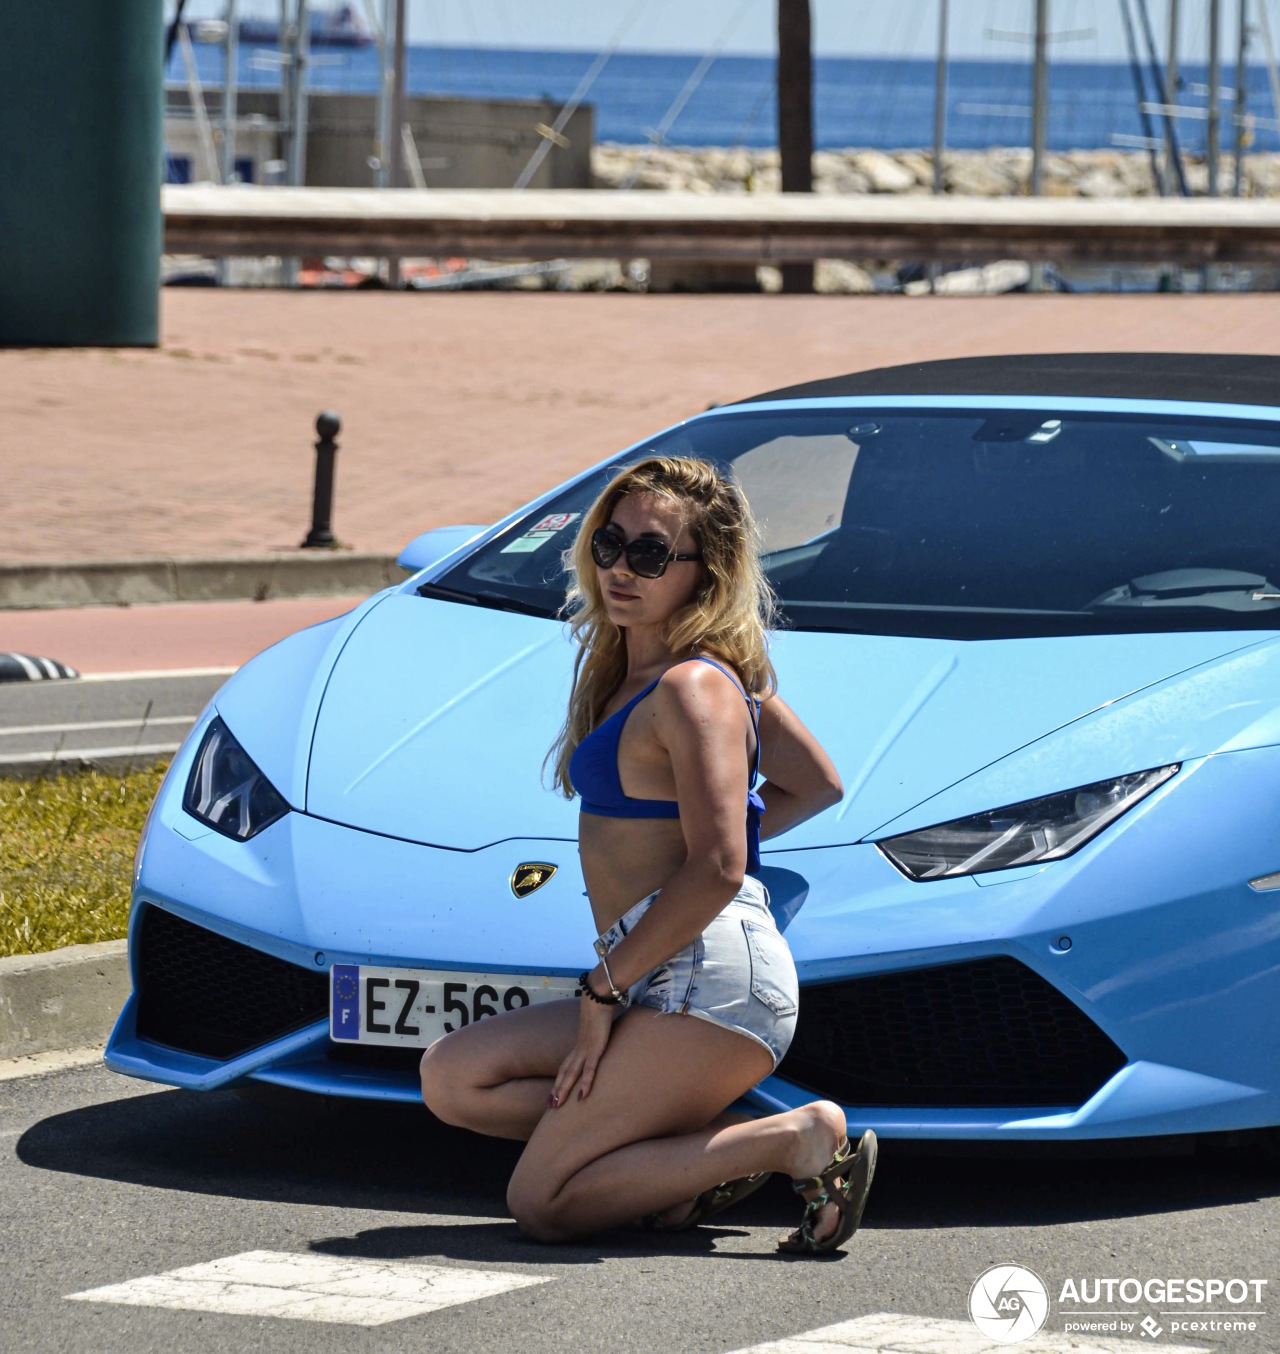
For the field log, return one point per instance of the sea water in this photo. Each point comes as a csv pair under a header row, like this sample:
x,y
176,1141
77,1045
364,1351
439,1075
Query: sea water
x,y
883,102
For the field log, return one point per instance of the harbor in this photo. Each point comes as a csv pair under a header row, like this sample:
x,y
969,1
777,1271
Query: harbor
x,y
1153,126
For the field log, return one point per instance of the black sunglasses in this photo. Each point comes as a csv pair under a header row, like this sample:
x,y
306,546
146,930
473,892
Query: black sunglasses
x,y
646,558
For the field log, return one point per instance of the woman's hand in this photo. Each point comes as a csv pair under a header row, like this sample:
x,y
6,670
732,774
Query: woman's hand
x,y
595,1020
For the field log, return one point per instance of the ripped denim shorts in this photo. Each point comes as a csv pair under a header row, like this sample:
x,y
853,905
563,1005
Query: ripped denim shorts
x,y
738,973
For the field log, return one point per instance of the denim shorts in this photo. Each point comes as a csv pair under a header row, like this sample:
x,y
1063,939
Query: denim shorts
x,y
738,973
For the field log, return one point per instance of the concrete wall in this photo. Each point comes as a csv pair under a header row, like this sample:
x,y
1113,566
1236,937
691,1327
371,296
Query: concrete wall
x,y
463,143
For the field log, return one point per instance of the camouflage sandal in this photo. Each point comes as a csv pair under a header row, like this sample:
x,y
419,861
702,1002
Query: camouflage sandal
x,y
708,1204
845,1182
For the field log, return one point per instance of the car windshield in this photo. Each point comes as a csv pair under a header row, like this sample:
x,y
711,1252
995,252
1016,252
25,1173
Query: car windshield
x,y
966,524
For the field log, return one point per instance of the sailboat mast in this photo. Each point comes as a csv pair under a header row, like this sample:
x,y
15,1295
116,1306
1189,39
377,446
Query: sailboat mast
x,y
1215,92
1242,96
301,35
386,75
940,98
394,146
286,85
1171,85
230,91
396,149
1039,96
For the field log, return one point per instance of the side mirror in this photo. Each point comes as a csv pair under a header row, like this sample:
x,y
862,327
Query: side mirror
x,y
432,546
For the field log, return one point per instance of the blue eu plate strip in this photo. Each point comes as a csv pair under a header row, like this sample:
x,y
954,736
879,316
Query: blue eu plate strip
x,y
344,1005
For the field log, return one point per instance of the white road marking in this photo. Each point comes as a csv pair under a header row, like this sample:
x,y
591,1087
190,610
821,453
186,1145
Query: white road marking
x,y
311,1288
150,674
135,723
89,754
56,1060
891,1333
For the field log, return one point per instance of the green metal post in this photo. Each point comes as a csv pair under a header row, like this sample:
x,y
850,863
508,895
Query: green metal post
x,y
81,114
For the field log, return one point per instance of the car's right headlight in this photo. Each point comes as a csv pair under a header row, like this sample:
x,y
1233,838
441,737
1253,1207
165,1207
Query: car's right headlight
x,y
1029,833
227,791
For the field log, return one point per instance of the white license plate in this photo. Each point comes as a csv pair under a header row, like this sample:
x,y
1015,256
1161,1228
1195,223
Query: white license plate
x,y
413,1007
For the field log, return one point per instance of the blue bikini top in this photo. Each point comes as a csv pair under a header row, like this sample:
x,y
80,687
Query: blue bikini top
x,y
593,769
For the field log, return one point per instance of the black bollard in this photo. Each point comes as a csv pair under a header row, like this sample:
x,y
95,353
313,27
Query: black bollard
x,y
321,536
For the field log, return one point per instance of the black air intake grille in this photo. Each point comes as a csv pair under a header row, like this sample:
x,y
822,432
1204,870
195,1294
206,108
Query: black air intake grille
x,y
199,992
988,1032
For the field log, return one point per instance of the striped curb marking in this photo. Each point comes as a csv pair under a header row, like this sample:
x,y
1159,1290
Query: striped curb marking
x,y
25,667
311,1288
890,1333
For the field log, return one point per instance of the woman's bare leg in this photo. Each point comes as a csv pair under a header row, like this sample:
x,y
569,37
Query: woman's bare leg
x,y
643,1140
495,1076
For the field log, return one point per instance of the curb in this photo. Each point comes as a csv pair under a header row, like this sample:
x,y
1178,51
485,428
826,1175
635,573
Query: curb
x,y
194,578
24,767
62,999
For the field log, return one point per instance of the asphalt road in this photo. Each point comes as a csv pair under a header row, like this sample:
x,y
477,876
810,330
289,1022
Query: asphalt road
x,y
105,1180
108,720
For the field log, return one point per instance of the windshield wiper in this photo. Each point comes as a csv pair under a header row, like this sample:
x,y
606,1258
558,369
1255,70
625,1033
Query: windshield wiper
x,y
1222,589
495,601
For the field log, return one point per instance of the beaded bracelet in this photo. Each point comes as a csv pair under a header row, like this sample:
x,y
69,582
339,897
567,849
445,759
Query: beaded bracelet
x,y
615,998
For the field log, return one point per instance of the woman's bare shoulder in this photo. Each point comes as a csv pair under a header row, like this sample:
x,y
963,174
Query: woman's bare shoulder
x,y
696,690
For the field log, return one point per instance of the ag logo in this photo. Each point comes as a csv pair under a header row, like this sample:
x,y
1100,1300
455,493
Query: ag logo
x,y
1008,1303
529,876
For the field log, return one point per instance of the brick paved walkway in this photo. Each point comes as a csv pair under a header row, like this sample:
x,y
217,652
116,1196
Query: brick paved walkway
x,y
457,408
146,638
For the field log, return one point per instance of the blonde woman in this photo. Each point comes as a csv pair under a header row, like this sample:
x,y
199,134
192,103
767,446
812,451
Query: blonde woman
x,y
621,1094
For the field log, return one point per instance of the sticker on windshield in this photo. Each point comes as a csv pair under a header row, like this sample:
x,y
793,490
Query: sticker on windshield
x,y
540,533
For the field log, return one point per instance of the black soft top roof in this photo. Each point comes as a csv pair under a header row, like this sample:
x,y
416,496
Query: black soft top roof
x,y
1225,378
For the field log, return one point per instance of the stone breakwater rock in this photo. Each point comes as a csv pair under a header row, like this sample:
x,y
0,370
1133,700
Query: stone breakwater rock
x,y
1000,172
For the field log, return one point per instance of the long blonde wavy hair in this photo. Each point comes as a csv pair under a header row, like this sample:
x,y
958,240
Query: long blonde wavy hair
x,y
728,617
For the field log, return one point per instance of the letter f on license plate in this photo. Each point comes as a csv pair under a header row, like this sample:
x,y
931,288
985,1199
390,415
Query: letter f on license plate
x,y
344,1010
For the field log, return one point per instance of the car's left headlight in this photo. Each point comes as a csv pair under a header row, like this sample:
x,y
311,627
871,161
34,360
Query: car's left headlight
x,y
1029,833
227,791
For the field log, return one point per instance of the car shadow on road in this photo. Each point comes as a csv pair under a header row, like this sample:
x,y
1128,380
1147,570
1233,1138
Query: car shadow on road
x,y
397,1158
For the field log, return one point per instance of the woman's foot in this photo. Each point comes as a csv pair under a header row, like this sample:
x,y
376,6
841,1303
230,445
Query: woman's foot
x,y
820,1129
672,1219
705,1206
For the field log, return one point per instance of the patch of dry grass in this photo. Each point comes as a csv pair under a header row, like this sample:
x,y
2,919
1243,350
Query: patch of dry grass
x,y
67,844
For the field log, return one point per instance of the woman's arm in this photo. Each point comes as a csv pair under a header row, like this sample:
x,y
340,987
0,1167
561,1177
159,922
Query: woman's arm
x,y
800,779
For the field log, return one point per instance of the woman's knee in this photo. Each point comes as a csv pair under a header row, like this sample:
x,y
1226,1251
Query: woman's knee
x,y
445,1085
533,1208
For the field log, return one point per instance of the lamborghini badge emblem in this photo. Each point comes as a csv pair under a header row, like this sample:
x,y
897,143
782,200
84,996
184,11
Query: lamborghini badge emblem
x,y
530,876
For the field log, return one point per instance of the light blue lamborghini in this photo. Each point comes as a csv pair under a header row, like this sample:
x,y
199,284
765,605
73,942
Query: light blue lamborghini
x,y
1032,612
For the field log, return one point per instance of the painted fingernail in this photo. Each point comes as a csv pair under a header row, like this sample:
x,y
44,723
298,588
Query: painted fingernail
x,y
553,1102
581,1092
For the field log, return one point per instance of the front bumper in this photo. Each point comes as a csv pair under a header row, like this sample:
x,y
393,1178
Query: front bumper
x,y
1129,990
